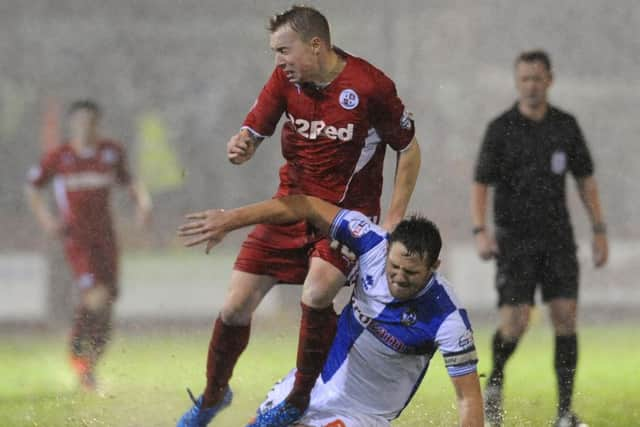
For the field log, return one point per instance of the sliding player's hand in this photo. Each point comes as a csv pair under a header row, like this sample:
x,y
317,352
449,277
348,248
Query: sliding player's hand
x,y
201,227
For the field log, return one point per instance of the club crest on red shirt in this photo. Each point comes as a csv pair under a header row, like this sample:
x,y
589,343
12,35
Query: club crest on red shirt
x,y
349,99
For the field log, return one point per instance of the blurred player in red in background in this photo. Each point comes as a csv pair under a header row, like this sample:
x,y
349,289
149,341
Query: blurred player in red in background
x,y
83,171
340,113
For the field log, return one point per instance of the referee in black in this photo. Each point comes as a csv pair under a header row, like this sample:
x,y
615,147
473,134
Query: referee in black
x,y
526,153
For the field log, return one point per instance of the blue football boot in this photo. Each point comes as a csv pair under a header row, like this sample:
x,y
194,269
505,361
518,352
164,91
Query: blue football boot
x,y
282,415
198,416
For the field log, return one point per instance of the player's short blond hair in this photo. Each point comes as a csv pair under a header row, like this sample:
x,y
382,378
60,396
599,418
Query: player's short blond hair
x,y
305,20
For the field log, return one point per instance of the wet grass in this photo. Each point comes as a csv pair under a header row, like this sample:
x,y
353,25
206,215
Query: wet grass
x,y
143,379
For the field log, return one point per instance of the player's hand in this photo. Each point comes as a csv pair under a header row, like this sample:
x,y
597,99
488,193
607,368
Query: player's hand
x,y
600,249
54,228
343,249
208,226
486,246
241,147
143,217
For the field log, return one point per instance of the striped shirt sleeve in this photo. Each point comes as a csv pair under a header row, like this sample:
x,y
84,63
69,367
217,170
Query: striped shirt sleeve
x,y
455,341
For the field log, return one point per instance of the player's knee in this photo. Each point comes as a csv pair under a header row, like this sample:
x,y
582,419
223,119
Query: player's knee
x,y
515,321
97,298
317,296
564,324
236,315
513,331
563,316
517,327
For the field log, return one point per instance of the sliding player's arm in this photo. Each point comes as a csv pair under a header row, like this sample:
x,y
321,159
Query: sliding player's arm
x,y
469,400
211,226
456,343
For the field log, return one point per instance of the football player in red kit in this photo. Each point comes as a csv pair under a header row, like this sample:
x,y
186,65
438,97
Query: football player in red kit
x,y
83,170
340,113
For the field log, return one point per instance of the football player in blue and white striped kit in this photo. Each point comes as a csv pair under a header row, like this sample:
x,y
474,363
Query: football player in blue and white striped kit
x,y
401,311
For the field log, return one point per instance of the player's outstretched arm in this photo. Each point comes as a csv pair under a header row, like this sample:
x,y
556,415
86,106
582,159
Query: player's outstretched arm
x,y
469,400
407,170
211,226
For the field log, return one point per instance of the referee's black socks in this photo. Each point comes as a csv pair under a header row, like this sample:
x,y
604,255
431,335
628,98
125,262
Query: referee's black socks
x,y
566,360
502,350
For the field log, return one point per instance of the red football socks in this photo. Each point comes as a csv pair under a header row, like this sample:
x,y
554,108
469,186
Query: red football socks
x,y
79,339
226,345
317,330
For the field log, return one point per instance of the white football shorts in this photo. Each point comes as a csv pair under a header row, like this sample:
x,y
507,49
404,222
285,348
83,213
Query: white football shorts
x,y
321,414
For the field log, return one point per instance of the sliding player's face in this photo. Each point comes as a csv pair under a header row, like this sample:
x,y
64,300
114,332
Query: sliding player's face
x,y
83,126
407,273
532,82
296,57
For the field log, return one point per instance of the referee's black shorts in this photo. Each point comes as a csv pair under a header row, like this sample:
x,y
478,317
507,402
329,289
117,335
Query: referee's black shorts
x,y
519,274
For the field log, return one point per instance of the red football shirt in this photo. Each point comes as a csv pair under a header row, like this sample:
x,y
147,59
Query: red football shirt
x,y
82,183
334,137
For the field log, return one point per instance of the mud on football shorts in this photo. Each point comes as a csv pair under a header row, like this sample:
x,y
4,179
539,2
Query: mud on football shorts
x,y
93,262
284,251
319,413
518,276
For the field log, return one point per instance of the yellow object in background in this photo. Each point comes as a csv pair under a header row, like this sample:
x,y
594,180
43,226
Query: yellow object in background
x,y
535,316
158,166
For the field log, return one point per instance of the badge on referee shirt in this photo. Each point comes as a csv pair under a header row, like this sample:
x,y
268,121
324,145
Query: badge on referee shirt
x,y
558,162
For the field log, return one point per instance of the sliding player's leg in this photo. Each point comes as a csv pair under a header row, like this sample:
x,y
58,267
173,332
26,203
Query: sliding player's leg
x,y
327,274
324,409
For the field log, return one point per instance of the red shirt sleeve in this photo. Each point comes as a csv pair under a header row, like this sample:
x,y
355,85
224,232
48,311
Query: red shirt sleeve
x,y
268,108
389,116
41,174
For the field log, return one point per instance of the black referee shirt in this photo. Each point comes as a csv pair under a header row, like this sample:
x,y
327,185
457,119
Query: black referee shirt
x,y
526,162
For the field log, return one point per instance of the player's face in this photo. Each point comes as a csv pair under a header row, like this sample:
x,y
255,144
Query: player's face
x,y
407,274
83,126
296,57
532,82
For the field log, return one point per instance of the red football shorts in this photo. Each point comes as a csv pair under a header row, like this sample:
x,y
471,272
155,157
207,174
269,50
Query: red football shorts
x,y
284,252
94,261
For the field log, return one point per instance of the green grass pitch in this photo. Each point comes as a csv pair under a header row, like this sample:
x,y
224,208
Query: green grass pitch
x,y
144,376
